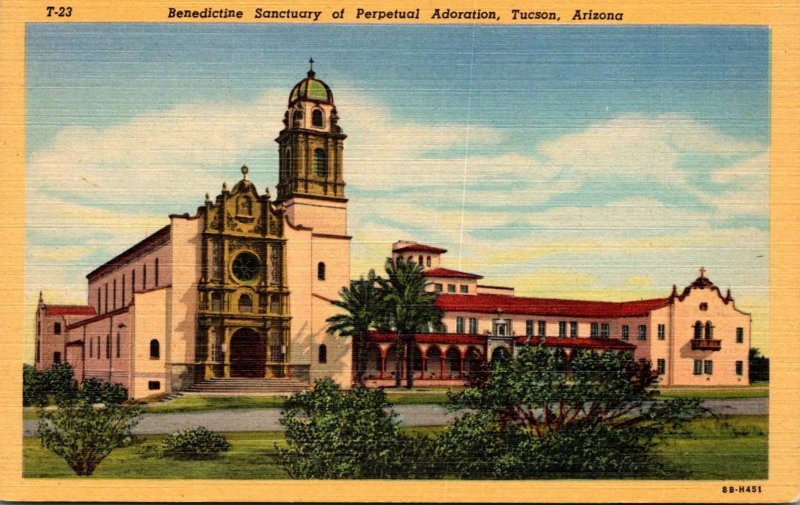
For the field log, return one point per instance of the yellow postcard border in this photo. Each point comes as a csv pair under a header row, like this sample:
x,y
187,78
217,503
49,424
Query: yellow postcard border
x,y
784,437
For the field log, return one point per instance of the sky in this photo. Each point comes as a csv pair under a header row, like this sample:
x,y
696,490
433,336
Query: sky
x,y
600,163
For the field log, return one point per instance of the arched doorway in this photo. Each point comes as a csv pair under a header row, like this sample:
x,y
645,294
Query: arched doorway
x,y
248,353
500,354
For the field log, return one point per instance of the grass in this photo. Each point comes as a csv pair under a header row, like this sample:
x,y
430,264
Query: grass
x,y
252,456
717,393
733,447
196,403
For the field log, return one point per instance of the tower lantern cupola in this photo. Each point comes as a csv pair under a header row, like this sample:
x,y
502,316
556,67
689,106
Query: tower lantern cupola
x,y
311,143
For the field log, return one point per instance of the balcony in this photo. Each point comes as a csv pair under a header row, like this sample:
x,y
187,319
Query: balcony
x,y
706,345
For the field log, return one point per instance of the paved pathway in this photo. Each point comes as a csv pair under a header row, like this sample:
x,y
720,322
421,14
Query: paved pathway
x,y
409,415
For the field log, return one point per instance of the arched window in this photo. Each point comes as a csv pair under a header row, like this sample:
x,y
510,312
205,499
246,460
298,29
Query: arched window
x,y
156,273
320,163
698,330
428,261
321,271
245,303
419,260
297,118
108,346
91,347
155,349
323,354
709,330
316,118
119,341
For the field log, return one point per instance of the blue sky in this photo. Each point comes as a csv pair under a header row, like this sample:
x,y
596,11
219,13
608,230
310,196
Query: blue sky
x,y
594,162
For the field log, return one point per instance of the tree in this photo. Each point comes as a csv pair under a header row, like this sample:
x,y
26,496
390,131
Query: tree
x,y
532,418
410,310
84,435
363,304
332,434
34,387
759,366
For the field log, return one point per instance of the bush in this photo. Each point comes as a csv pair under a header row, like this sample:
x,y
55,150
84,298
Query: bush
x,y
84,435
34,387
60,383
333,434
531,419
97,391
194,443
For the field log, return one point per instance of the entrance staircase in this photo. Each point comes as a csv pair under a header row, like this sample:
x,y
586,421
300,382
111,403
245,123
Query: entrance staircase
x,y
248,386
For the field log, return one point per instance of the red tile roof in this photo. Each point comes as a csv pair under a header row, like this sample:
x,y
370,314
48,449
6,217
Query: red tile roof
x,y
489,304
430,338
68,310
446,272
420,248
458,338
580,343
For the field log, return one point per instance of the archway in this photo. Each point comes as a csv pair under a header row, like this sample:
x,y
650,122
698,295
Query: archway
x,y
434,363
473,360
248,353
500,354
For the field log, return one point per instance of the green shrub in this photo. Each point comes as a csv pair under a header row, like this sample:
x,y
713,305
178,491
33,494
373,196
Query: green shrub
x,y
84,435
194,443
34,387
96,391
60,383
530,419
332,434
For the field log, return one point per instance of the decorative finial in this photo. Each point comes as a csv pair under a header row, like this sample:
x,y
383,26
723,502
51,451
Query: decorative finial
x,y
41,299
702,272
244,172
311,69
208,198
224,186
266,193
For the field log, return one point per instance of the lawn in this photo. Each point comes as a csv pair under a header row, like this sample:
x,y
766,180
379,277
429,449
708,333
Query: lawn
x,y
733,447
760,390
195,403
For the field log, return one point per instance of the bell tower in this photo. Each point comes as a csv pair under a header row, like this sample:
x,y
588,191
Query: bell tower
x,y
311,143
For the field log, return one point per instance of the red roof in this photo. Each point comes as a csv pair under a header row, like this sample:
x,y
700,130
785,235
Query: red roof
x,y
489,304
446,272
458,338
580,343
420,248
430,338
68,310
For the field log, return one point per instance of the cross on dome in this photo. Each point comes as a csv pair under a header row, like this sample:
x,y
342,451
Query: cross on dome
x,y
702,272
311,69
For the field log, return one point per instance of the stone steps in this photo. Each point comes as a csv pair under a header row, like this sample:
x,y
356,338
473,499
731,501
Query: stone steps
x,y
248,385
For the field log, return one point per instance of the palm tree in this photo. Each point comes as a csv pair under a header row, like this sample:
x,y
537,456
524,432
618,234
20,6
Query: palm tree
x,y
410,310
363,304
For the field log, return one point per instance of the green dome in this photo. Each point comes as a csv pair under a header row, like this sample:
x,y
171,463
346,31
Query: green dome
x,y
311,88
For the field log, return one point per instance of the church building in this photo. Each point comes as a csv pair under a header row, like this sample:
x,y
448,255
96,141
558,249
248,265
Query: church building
x,y
236,297
240,289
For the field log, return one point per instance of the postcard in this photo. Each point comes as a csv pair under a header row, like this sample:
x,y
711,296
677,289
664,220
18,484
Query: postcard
x,y
406,251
